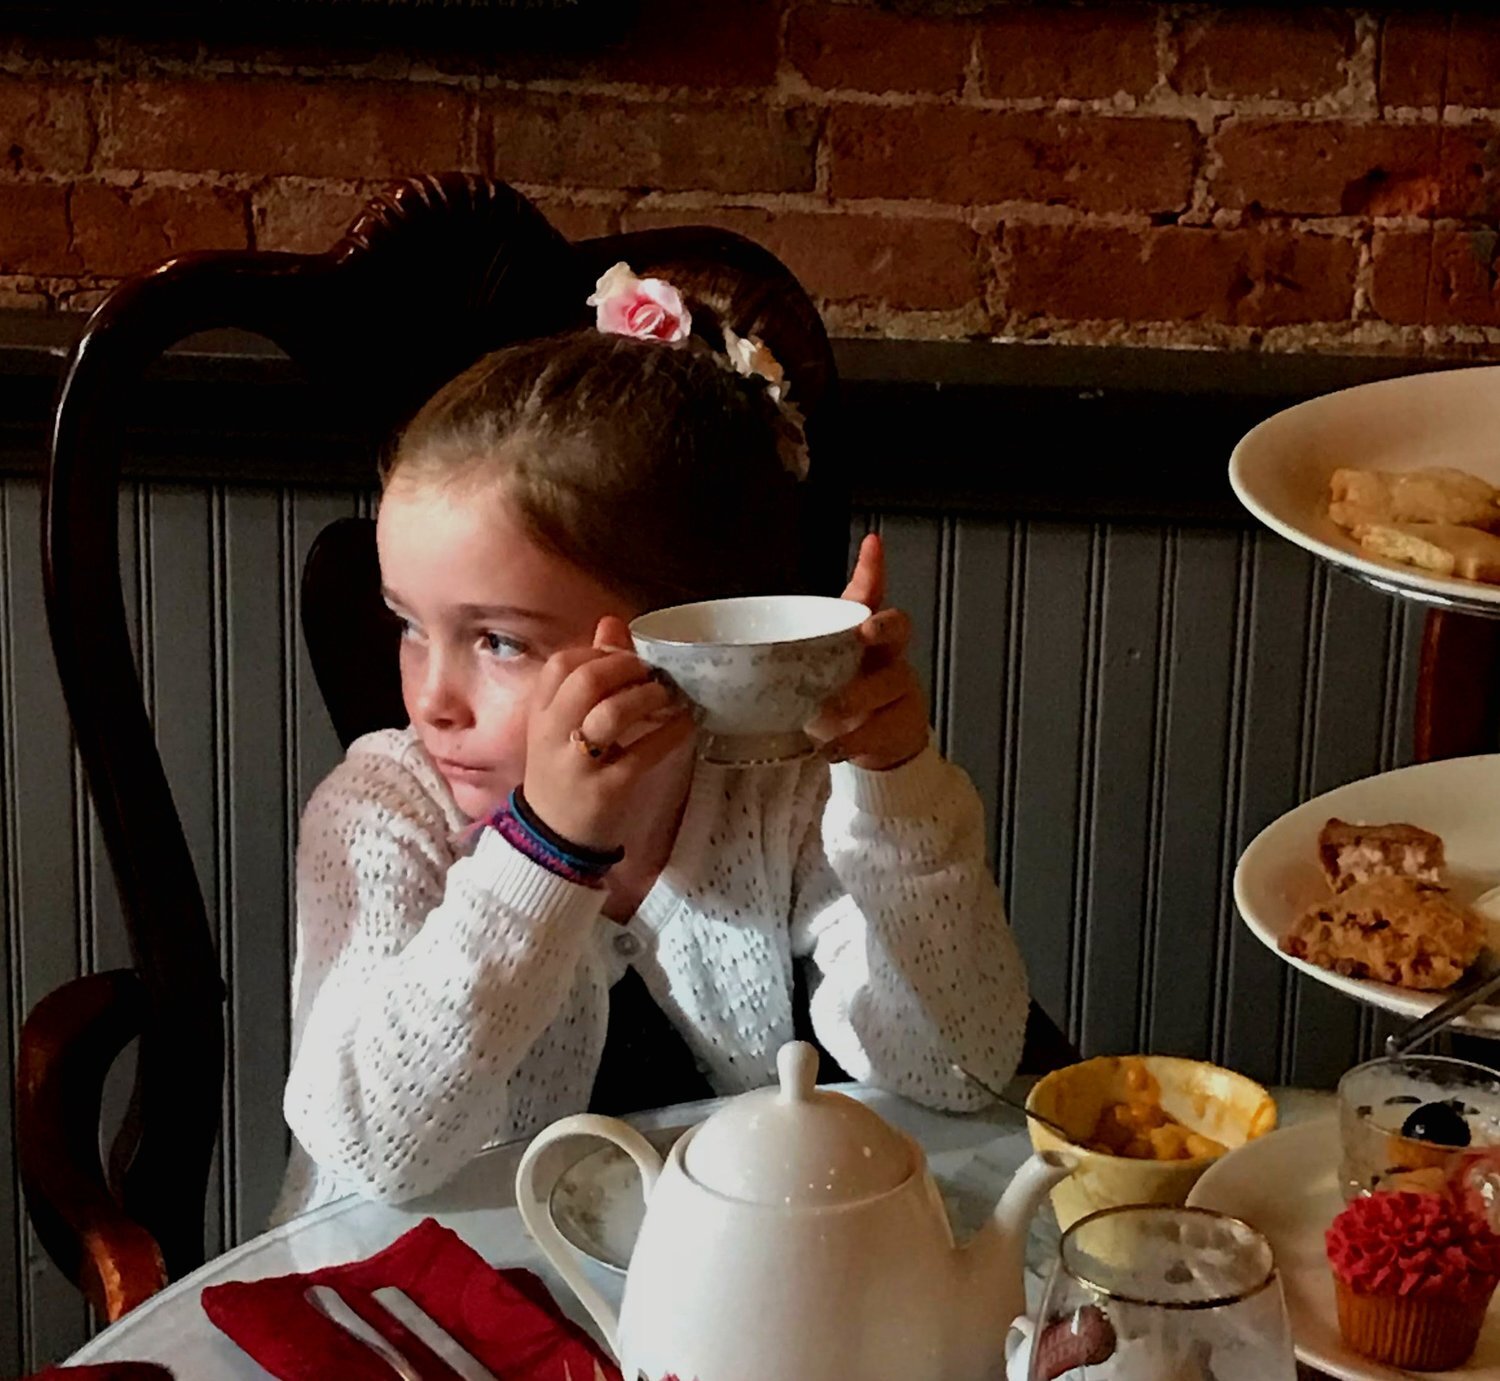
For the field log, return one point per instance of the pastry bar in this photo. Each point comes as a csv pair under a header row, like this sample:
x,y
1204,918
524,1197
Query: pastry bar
x,y
1392,929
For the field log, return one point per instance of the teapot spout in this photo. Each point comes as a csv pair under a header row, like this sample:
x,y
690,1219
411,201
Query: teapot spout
x,y
996,1255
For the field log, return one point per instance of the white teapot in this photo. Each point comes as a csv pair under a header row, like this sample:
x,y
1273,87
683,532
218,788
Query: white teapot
x,y
797,1236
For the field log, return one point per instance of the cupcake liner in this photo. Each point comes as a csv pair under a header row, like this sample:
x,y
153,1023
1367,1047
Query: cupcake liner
x,y
1418,1334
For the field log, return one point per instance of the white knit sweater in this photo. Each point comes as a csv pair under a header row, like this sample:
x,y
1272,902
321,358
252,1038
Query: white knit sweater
x,y
447,995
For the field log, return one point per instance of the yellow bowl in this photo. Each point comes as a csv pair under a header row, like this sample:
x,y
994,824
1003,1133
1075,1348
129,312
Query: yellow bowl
x,y
1205,1098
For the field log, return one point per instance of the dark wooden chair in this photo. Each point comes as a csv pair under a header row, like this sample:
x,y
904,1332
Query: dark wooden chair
x,y
429,277
351,639
1457,716
1458,687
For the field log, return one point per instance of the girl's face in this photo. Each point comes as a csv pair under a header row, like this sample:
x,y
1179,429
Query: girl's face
x,y
482,608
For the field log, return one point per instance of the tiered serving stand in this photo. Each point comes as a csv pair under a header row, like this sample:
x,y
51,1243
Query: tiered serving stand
x,y
1287,1183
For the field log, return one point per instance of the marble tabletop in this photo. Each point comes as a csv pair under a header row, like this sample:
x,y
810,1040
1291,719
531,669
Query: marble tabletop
x,y
972,1157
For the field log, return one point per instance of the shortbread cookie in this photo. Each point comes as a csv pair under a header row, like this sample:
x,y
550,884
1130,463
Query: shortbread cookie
x,y
1434,495
1352,854
1392,929
1442,548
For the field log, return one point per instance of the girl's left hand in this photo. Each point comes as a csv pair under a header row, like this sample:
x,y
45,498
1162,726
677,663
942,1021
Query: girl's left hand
x,y
879,720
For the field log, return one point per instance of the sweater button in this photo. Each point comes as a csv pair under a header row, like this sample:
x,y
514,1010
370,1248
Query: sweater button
x,y
627,945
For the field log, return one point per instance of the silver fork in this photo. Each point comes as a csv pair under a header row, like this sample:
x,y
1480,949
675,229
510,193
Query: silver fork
x,y
327,1301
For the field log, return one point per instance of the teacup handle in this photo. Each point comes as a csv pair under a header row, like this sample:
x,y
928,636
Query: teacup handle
x,y
1018,1344
536,1212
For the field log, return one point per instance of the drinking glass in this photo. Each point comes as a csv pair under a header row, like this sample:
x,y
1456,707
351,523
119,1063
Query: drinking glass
x,y
1149,1292
1457,1105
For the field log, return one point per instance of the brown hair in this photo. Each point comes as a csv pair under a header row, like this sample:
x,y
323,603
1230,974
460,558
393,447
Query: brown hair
x,y
654,467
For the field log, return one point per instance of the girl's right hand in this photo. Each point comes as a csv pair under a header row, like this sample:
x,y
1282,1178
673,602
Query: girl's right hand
x,y
613,700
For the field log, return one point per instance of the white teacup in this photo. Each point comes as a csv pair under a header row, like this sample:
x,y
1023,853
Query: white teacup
x,y
757,667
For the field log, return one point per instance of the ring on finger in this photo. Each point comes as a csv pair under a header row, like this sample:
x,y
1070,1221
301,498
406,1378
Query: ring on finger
x,y
595,752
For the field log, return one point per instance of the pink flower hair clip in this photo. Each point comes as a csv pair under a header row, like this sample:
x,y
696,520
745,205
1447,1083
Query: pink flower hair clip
x,y
643,308
652,309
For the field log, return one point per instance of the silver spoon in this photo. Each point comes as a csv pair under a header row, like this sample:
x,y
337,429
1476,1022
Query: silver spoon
x,y
1056,1128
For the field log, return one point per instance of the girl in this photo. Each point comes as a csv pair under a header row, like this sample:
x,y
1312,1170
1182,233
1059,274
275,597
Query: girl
x,y
470,888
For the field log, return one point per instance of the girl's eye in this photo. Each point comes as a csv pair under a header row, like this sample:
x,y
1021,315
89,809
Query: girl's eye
x,y
502,646
409,630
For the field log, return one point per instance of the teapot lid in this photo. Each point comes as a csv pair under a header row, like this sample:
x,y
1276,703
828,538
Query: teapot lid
x,y
797,1144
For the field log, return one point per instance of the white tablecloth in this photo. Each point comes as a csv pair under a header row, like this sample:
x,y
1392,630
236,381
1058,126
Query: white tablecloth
x,y
973,1159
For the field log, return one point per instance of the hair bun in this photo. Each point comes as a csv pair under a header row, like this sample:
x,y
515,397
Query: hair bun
x,y
731,282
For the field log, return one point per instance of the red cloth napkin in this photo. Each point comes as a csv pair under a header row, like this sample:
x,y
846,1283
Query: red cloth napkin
x,y
106,1371
505,1319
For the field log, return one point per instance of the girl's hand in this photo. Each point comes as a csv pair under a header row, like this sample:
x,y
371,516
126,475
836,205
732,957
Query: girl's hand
x,y
611,699
879,720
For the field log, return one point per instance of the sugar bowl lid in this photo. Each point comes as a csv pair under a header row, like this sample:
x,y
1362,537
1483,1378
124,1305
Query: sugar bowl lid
x,y
798,1145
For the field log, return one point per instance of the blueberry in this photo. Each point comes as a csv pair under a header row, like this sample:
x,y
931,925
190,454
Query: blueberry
x,y
1439,1123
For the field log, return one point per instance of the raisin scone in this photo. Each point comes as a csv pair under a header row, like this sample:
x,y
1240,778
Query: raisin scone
x,y
1392,929
1356,853
1436,494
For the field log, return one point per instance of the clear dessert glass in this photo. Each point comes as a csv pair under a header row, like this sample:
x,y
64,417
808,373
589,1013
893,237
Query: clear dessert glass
x,y
1414,1122
1149,1292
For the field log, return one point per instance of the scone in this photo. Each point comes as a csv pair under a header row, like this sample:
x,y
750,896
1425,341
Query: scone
x,y
1434,495
1392,929
1356,853
1442,548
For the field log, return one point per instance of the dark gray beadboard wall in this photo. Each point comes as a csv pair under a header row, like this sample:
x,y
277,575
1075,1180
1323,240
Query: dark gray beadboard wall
x,y
1134,705
1134,700
211,585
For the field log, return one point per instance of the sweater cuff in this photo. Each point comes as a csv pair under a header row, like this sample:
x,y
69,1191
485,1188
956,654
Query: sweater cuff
x,y
906,790
527,888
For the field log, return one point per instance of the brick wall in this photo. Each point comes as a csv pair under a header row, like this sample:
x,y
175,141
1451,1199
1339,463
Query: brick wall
x,y
1321,178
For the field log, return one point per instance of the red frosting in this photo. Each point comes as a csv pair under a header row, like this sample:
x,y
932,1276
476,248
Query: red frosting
x,y
1413,1244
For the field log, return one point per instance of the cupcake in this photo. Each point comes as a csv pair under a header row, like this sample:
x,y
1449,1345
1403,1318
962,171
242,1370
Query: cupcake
x,y
1414,1274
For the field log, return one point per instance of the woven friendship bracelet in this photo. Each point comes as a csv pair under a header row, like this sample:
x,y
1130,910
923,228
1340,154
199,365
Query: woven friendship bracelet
x,y
575,855
524,842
